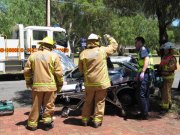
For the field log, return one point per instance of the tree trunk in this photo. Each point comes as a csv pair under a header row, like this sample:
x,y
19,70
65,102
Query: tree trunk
x,y
163,36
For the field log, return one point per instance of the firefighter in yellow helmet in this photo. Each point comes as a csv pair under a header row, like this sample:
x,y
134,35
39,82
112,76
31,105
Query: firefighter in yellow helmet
x,y
167,67
93,64
43,74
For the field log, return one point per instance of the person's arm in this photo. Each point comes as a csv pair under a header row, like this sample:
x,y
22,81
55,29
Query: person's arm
x,y
28,72
80,63
172,65
144,54
112,47
58,72
146,63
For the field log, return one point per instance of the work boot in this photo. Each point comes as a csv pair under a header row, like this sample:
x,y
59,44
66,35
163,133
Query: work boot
x,y
97,124
170,106
164,111
84,123
142,116
31,128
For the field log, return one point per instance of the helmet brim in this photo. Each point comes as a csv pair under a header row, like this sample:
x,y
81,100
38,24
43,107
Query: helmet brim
x,y
40,43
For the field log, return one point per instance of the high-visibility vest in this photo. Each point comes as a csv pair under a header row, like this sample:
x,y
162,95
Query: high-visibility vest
x,y
141,62
164,66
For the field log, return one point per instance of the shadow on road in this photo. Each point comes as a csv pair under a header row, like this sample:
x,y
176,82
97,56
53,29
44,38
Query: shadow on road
x,y
73,121
11,77
24,123
23,97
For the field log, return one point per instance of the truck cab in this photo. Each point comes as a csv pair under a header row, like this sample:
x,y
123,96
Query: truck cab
x,y
14,52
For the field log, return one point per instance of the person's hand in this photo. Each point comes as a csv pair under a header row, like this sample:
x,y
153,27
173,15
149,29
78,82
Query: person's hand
x,y
141,76
107,36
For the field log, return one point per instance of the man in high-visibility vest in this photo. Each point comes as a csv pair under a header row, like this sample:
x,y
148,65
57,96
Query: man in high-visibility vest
x,y
145,69
167,67
93,64
43,73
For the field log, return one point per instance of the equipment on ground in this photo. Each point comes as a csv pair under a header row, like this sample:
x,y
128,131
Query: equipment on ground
x,y
6,107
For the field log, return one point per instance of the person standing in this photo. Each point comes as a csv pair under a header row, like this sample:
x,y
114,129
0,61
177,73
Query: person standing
x,y
43,74
167,67
93,64
145,70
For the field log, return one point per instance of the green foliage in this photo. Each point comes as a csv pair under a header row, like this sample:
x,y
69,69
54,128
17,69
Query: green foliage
x,y
121,18
27,12
126,29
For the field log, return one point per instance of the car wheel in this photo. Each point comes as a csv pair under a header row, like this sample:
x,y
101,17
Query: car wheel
x,y
126,98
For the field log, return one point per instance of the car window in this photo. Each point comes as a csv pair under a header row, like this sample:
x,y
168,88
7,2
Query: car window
x,y
39,35
75,74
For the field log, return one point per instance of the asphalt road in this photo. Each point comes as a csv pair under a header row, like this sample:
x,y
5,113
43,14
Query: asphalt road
x,y
13,88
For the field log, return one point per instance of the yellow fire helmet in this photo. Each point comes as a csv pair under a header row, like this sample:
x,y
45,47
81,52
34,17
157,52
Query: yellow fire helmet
x,y
47,40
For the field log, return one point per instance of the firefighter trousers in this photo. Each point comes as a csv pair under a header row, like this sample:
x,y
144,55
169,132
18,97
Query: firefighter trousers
x,y
94,104
45,99
166,93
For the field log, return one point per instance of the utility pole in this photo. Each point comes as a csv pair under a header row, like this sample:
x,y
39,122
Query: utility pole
x,y
48,13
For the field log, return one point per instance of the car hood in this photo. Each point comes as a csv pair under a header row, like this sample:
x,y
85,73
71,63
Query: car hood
x,y
67,63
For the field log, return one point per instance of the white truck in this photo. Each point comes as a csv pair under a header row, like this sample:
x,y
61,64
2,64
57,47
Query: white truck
x,y
14,52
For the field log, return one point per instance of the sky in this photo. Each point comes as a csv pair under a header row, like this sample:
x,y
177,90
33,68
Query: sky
x,y
176,22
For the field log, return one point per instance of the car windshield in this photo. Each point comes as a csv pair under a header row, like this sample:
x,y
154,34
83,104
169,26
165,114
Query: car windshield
x,y
67,63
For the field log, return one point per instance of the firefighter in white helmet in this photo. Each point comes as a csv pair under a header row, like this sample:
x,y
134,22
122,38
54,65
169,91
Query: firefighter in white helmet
x,y
167,67
93,64
43,73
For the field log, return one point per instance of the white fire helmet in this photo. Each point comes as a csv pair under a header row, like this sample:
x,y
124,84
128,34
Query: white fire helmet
x,y
93,37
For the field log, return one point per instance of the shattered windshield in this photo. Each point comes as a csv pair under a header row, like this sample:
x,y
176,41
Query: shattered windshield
x,y
67,63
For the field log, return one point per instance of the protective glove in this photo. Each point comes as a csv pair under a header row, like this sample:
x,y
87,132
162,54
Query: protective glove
x,y
141,76
107,36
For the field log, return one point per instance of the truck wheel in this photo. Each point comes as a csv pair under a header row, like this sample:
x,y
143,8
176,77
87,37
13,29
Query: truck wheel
x,y
65,112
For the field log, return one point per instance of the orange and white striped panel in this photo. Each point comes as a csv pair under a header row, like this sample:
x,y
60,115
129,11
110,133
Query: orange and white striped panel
x,y
11,50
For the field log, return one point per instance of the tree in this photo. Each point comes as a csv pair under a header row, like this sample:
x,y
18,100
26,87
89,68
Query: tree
x,y
125,29
164,10
27,12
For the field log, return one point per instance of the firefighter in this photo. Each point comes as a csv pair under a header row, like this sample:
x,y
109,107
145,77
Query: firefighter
x,y
146,71
167,67
43,74
93,64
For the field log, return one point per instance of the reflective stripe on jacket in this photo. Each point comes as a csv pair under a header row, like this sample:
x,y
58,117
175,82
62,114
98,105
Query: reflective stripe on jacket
x,y
43,71
168,66
141,62
93,64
